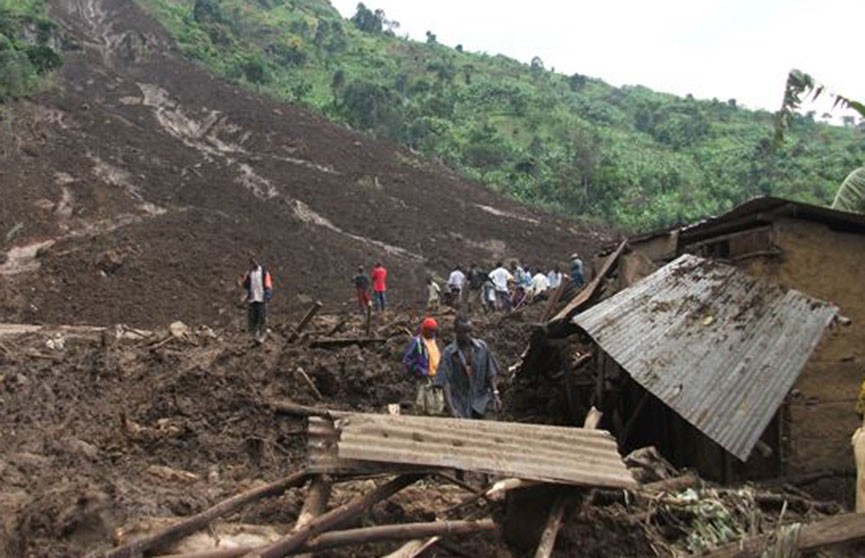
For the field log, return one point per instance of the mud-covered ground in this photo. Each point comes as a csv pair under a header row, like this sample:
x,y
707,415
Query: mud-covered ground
x,y
136,188
100,434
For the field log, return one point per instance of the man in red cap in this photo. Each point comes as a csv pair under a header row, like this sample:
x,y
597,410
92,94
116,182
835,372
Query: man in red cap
x,y
421,360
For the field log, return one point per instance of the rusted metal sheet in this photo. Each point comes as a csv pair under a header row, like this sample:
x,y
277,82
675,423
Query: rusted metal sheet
x,y
322,457
720,347
529,451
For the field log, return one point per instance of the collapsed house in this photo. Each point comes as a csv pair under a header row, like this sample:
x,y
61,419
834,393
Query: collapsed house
x,y
708,341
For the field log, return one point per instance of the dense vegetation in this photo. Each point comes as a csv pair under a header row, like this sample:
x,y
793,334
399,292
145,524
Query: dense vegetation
x,y
626,155
27,47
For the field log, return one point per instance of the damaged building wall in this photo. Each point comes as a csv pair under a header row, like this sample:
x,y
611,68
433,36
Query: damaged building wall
x,y
819,261
829,265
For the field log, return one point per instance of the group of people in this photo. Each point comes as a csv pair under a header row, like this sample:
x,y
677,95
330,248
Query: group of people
x,y
378,279
501,289
460,380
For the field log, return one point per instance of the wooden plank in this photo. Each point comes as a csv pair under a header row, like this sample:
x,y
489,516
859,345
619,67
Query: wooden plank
x,y
328,342
198,521
366,535
551,530
291,543
834,530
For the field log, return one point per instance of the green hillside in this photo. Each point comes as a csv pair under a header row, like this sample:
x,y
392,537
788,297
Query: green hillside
x,y
575,144
28,47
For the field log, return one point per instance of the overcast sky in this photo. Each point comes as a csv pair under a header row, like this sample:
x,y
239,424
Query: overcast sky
x,y
738,49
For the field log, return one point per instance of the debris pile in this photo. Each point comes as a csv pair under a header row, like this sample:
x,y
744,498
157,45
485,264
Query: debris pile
x,y
197,442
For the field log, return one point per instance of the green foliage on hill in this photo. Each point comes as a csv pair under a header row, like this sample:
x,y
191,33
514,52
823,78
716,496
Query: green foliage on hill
x,y
26,51
625,155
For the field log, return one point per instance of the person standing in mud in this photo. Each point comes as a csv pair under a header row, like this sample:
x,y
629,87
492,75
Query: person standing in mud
x,y
421,361
379,286
434,294
467,373
475,279
501,279
361,285
259,288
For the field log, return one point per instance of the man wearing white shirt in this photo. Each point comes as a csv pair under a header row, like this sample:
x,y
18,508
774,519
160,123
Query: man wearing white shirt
x,y
456,283
501,277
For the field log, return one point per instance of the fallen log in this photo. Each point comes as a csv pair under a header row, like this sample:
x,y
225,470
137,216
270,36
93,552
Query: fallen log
x,y
551,530
366,535
330,342
198,521
819,534
339,325
315,504
287,407
336,516
674,484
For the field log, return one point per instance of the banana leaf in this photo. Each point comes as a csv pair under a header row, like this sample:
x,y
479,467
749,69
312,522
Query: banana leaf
x,y
851,194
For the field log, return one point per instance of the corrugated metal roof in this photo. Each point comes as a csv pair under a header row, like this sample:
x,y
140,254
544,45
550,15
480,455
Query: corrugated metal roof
x,y
717,345
322,437
528,451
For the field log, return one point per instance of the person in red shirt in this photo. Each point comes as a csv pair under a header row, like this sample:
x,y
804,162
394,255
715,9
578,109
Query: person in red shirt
x,y
379,286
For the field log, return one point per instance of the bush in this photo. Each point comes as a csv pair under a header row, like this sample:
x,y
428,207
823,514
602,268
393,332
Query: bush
x,y
17,74
43,58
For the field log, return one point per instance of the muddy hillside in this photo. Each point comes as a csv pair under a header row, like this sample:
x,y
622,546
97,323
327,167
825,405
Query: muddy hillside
x,y
135,190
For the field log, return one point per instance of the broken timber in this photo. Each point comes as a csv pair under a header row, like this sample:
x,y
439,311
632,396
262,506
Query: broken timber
x,y
334,517
350,537
198,521
310,314
333,342
826,532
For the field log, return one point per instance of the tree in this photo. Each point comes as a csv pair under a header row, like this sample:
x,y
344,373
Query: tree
x,y
536,67
577,82
207,11
800,84
336,84
430,38
368,21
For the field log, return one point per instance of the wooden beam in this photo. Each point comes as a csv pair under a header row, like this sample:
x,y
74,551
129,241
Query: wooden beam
x,y
198,521
351,537
551,530
315,504
307,318
328,342
291,543
834,530
287,407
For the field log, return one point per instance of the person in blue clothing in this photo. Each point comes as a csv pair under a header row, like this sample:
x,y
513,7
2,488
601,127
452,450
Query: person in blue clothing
x,y
467,372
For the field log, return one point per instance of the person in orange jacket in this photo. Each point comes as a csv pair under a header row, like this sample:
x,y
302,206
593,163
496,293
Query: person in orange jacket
x,y
259,290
